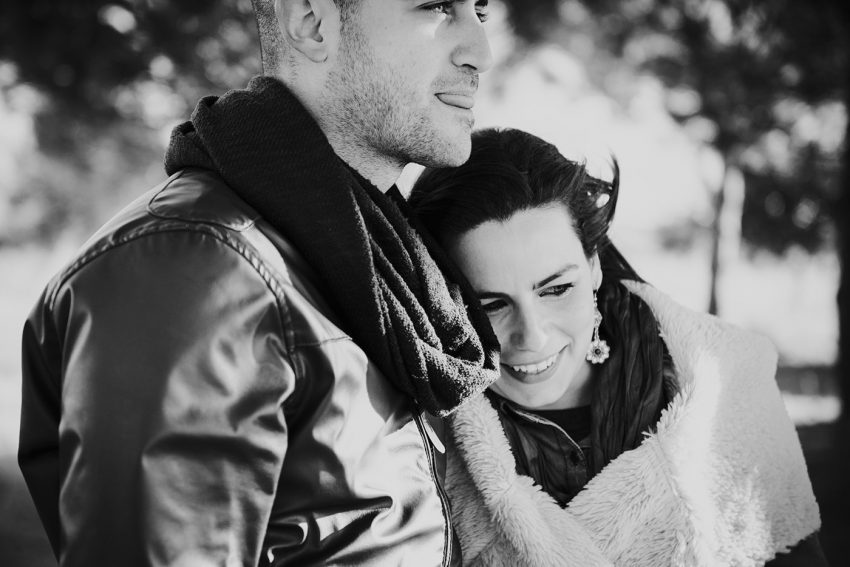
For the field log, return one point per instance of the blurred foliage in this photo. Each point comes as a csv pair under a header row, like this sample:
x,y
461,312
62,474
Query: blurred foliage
x,y
82,53
108,78
741,76
756,80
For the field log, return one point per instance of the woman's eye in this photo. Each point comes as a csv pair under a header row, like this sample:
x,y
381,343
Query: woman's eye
x,y
491,307
556,290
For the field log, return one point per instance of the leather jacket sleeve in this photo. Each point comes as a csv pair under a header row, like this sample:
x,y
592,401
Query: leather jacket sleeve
x,y
164,355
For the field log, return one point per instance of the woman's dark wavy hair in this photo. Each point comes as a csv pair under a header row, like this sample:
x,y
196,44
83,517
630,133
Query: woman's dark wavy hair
x,y
510,171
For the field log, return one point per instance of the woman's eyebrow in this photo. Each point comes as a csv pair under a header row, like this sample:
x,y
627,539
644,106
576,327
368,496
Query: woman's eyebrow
x,y
489,295
484,294
556,275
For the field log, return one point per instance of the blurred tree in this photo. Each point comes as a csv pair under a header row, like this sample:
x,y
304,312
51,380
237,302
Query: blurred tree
x,y
741,76
746,78
112,75
843,10
83,52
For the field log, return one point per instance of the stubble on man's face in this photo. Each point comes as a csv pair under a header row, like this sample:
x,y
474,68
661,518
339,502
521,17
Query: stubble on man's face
x,y
387,111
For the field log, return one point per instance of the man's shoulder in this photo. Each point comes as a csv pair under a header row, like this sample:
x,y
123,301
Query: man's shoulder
x,y
191,215
189,199
192,200
194,223
199,196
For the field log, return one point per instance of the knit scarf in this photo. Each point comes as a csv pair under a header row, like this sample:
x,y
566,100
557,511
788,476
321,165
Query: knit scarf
x,y
425,332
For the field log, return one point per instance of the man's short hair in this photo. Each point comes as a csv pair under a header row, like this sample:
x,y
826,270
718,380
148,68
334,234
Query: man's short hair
x,y
272,45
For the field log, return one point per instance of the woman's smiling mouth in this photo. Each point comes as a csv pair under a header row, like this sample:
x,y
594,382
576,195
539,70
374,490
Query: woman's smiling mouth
x,y
535,368
536,372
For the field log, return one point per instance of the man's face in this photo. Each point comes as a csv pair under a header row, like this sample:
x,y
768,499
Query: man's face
x,y
406,75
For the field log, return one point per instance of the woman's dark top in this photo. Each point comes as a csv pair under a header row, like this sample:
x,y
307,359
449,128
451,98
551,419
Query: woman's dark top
x,y
553,447
550,446
574,421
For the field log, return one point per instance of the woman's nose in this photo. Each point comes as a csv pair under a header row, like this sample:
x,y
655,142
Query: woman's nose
x,y
529,332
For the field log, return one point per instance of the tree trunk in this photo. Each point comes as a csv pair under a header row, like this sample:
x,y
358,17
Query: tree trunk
x,y
725,231
716,232
842,221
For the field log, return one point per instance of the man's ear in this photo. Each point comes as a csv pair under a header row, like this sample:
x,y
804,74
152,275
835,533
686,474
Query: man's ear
x,y
309,26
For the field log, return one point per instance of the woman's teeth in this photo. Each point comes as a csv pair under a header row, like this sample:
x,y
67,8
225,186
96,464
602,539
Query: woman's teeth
x,y
535,368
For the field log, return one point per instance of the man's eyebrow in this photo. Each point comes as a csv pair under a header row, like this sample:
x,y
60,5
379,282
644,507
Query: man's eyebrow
x,y
484,294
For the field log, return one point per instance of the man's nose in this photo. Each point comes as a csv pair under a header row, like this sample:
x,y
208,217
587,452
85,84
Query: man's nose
x,y
473,49
529,331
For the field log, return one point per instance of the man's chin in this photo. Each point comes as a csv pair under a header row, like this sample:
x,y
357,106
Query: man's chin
x,y
450,153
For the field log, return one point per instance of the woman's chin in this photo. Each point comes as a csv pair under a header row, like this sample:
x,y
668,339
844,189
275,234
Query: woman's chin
x,y
560,386
531,396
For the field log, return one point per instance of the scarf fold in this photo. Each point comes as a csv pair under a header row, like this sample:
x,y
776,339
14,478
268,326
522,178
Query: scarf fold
x,y
428,336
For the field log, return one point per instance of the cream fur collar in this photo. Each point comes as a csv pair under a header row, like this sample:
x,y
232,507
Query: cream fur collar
x,y
721,482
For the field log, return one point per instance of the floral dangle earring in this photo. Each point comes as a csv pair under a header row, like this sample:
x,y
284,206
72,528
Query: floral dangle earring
x,y
599,350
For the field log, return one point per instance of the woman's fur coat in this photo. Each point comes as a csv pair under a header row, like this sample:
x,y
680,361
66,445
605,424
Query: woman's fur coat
x,y
721,482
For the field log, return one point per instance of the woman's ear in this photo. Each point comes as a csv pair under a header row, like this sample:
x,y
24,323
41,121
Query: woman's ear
x,y
311,27
596,270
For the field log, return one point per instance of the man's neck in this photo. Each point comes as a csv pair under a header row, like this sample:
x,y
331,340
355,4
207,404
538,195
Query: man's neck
x,y
380,170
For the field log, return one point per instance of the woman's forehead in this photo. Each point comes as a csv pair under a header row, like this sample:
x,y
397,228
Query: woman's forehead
x,y
529,247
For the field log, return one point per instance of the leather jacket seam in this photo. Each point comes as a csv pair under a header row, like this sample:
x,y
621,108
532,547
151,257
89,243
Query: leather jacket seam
x,y
322,342
275,287
155,211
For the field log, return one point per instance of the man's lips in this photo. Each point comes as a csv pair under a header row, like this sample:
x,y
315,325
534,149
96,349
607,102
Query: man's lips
x,y
460,100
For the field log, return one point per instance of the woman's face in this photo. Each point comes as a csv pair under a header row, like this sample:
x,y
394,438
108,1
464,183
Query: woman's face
x,y
536,285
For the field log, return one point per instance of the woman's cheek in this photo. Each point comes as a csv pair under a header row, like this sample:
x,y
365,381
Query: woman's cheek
x,y
502,331
577,314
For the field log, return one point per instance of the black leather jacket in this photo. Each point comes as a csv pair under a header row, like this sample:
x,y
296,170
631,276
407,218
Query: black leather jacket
x,y
189,399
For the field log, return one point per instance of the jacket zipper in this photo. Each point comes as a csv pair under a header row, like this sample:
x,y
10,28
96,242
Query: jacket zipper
x,y
444,501
544,421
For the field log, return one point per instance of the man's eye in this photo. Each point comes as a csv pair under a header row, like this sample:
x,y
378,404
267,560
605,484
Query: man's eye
x,y
482,10
495,306
439,7
556,290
